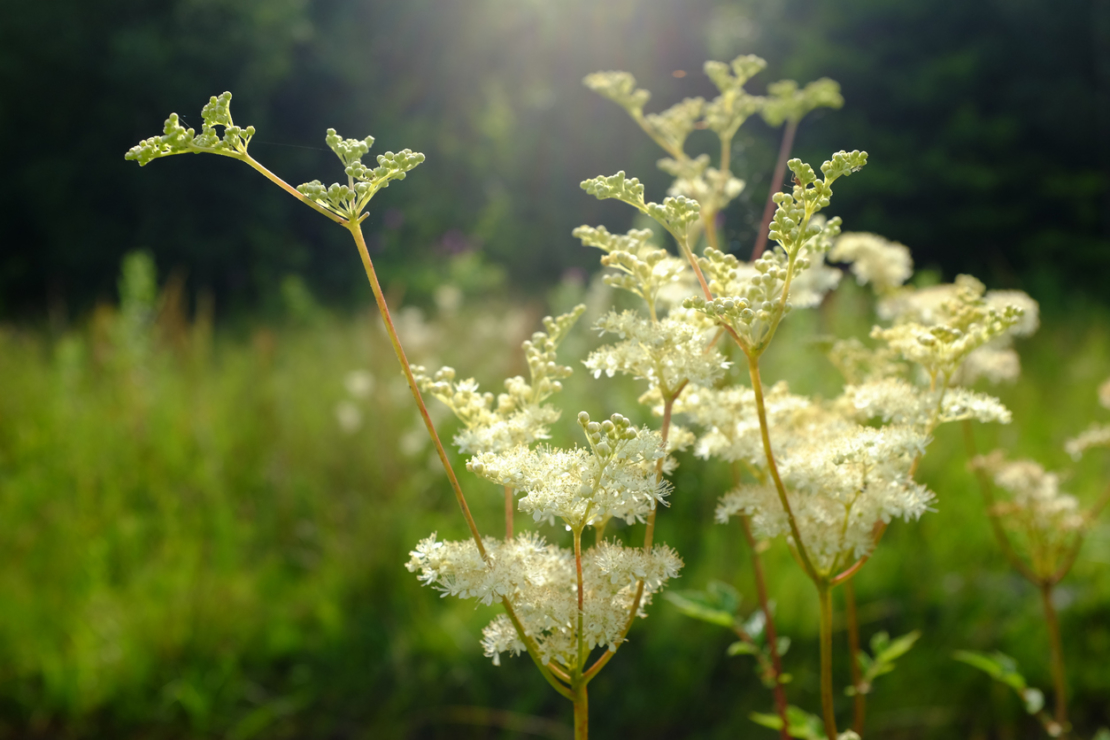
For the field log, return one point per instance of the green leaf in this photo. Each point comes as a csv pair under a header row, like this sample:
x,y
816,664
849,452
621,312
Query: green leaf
x,y
702,606
800,723
1004,669
742,648
891,651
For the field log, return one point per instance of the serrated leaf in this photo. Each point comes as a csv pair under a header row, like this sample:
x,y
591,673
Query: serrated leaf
x,y
1004,669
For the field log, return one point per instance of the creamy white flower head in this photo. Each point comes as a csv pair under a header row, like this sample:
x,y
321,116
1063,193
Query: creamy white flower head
x,y
885,265
666,353
1044,518
898,401
616,477
939,327
518,416
540,582
1096,435
1030,310
995,364
729,421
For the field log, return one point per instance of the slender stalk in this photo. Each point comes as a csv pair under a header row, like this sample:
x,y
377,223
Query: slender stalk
x,y
709,220
649,536
859,704
776,183
824,592
379,297
1059,677
769,621
508,512
581,712
581,595
761,409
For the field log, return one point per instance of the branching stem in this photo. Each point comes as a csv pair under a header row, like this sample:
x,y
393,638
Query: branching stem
x,y
776,183
824,592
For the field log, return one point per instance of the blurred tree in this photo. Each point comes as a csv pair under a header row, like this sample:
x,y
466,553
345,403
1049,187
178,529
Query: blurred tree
x,y
982,123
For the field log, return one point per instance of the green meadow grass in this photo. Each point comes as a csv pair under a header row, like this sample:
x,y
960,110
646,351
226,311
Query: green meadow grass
x,y
194,547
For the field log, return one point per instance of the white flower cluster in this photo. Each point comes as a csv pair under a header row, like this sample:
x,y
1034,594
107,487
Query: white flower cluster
x,y
1037,508
895,400
518,416
643,269
540,583
885,265
939,327
616,477
841,479
667,353
1096,435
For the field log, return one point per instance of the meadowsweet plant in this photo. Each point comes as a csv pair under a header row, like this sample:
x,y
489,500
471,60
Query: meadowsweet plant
x,y
828,476
825,476
1040,530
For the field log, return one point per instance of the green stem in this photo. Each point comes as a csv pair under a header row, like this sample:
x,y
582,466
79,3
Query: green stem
x,y
824,592
1059,677
581,712
761,410
859,703
581,595
379,297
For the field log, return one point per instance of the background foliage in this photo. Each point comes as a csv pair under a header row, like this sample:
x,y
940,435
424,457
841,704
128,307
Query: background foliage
x,y
982,122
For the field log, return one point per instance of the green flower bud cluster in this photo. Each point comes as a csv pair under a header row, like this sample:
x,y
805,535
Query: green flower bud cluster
x,y
962,323
645,267
605,437
362,182
677,122
349,151
728,111
752,306
685,169
539,353
676,213
176,139
628,189
786,102
620,87
791,224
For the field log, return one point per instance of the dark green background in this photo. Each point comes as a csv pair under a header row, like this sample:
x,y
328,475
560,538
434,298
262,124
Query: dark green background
x,y
986,123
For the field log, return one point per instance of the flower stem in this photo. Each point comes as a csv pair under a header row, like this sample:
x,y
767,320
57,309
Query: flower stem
x,y
761,409
824,592
859,703
776,182
581,712
508,512
988,498
769,620
1059,677
356,232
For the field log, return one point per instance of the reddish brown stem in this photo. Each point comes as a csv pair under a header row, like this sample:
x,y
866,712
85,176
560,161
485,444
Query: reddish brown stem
x,y
776,183
769,621
1059,676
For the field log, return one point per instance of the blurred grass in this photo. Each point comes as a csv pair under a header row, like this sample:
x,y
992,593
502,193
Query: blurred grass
x,y
194,547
